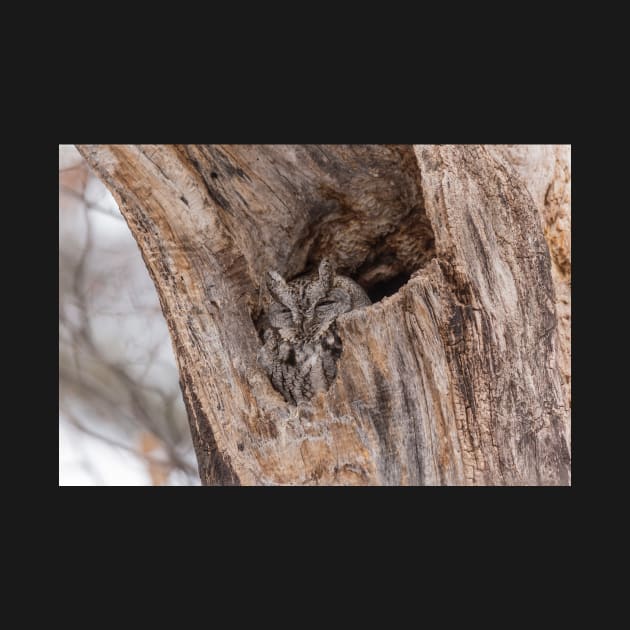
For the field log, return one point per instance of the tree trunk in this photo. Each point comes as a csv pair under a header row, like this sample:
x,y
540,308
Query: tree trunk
x,y
452,377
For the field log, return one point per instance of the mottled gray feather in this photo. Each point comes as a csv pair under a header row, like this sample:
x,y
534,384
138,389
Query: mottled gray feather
x,y
301,344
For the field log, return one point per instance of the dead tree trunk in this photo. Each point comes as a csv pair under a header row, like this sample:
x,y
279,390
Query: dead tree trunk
x,y
451,377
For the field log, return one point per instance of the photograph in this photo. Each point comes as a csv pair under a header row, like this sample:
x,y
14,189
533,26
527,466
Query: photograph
x,y
315,315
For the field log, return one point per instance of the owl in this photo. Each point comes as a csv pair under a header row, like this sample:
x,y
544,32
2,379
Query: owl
x,y
301,344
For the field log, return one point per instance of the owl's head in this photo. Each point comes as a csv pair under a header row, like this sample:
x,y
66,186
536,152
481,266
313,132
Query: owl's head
x,y
304,309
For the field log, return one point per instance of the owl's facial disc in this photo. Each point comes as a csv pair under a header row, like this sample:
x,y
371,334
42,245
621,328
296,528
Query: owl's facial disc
x,y
324,311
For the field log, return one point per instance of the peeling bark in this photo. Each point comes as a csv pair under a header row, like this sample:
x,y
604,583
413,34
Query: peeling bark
x,y
452,378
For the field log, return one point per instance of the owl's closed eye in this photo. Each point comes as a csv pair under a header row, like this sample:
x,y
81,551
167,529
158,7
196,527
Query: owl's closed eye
x,y
280,316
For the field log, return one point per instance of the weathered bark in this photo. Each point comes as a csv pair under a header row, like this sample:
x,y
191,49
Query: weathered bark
x,y
451,379
546,170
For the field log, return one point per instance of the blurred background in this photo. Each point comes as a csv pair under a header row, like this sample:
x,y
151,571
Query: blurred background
x,y
122,420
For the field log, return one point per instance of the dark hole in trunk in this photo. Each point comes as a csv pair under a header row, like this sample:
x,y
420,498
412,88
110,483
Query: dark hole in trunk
x,y
385,288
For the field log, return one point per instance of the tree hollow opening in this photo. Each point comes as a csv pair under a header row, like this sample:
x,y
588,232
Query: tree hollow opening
x,y
381,252
386,288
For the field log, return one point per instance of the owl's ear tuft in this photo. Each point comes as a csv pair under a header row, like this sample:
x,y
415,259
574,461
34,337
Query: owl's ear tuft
x,y
326,274
277,286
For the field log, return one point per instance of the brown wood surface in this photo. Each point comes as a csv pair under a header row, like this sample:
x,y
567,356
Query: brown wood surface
x,y
451,379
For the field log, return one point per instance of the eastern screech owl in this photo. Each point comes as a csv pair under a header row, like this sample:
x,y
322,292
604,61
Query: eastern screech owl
x,y
301,344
